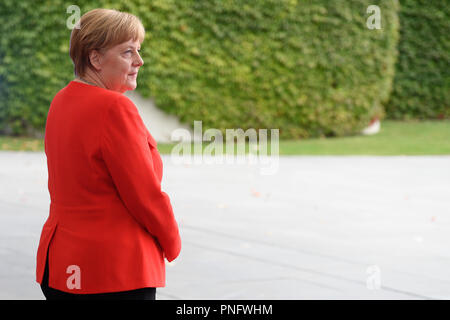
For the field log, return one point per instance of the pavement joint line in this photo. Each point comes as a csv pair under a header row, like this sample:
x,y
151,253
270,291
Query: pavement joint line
x,y
275,245
317,284
307,270
252,280
303,251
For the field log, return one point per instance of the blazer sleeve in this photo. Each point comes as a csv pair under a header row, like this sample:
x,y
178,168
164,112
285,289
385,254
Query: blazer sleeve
x,y
128,158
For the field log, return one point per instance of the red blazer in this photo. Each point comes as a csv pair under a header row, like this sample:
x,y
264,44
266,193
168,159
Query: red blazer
x,y
108,216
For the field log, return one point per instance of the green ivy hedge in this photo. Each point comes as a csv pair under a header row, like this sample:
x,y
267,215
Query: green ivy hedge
x,y
422,80
310,68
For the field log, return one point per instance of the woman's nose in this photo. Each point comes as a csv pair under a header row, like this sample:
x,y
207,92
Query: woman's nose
x,y
139,61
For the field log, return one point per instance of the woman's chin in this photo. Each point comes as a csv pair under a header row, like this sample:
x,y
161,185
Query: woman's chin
x,y
131,86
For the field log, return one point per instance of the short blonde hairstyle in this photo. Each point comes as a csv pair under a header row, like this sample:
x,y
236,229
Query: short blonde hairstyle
x,y
100,29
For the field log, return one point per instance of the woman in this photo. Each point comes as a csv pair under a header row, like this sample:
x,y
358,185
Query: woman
x,y
110,226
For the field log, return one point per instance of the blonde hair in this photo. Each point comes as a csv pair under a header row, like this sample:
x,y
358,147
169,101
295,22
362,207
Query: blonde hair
x,y
100,29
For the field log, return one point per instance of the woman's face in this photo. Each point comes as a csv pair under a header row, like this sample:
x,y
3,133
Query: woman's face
x,y
119,66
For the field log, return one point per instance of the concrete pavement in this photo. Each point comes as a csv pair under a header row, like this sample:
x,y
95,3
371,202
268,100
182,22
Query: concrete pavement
x,y
330,227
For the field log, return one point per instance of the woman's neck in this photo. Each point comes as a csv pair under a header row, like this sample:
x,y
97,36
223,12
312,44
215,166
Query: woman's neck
x,y
92,80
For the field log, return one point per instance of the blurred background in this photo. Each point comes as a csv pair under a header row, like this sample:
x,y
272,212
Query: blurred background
x,y
359,91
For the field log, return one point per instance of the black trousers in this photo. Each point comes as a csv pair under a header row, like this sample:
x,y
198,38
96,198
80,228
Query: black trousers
x,y
53,294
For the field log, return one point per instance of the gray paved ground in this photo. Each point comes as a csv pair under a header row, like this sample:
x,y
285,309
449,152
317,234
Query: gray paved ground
x,y
321,228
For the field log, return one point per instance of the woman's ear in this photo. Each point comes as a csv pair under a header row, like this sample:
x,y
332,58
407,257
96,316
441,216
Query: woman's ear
x,y
95,58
